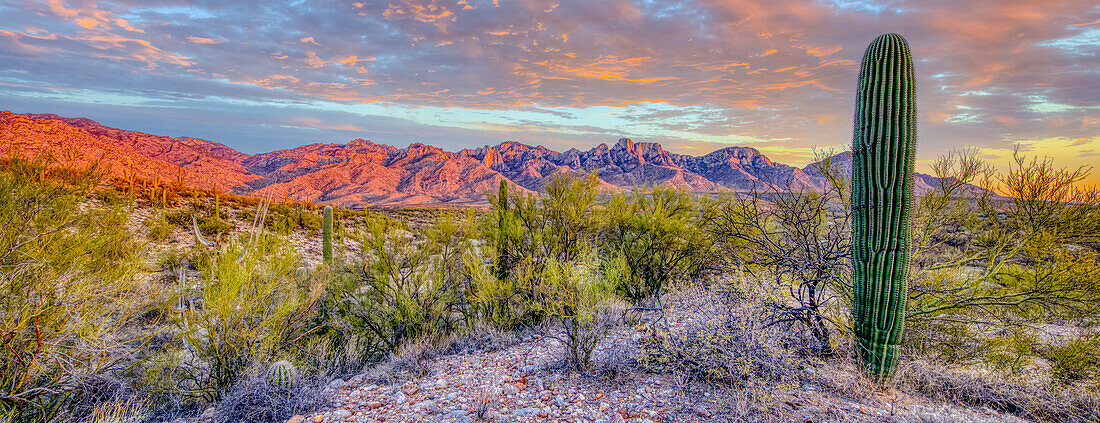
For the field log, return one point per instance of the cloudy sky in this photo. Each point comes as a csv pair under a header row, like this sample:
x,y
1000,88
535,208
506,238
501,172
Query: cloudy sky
x,y
694,75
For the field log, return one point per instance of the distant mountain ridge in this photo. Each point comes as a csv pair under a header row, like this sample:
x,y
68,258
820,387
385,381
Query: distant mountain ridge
x,y
362,173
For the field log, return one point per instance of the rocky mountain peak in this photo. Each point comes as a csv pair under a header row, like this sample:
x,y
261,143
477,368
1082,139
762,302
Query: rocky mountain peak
x,y
363,173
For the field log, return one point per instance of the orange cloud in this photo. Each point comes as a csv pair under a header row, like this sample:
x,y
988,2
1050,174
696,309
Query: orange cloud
x,y
88,17
786,85
201,40
769,52
786,69
313,61
422,12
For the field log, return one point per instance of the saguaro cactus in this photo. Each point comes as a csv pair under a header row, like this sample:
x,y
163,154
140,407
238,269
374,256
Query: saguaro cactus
x,y
502,262
326,235
883,148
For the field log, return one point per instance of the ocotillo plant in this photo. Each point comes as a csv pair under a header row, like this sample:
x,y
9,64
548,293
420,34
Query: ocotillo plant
x,y
326,235
883,147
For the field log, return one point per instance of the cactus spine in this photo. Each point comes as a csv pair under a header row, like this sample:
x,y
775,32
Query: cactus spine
x,y
883,147
326,235
281,374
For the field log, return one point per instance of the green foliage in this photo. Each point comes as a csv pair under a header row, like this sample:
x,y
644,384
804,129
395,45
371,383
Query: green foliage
x,y
326,235
657,235
210,225
529,232
580,297
1078,359
982,264
158,226
66,286
252,308
405,285
883,154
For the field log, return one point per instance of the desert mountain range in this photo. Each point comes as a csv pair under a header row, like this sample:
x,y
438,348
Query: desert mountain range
x,y
364,174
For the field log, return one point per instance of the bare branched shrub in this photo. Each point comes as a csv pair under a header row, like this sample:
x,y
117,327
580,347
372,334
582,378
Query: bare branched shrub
x,y
722,336
800,240
411,360
254,399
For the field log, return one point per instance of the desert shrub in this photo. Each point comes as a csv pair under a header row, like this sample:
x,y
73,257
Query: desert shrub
x,y
798,240
210,223
284,218
1078,359
718,334
158,226
988,268
252,309
255,399
122,410
526,232
65,286
403,287
657,235
580,299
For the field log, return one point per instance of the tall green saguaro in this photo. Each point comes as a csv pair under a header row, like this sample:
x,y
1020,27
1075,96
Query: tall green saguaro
x,y
503,260
884,144
326,235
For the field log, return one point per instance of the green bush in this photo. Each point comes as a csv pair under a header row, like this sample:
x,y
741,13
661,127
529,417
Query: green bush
x,y
403,286
252,309
158,226
66,286
1076,360
657,235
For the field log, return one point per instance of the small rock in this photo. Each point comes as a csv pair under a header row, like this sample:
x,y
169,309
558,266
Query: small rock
x,y
604,406
527,412
400,398
336,384
374,405
208,413
464,419
616,418
560,401
318,418
702,412
424,404
340,414
455,414
296,419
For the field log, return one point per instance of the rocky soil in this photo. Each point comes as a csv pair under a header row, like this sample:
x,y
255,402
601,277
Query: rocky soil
x,y
521,383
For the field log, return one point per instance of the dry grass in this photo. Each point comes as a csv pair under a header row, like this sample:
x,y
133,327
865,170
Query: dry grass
x,y
1032,402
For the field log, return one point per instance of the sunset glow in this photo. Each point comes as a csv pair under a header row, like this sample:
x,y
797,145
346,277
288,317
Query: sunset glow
x,y
692,75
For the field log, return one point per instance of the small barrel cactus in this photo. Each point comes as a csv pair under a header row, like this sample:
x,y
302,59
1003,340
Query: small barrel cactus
x,y
281,374
884,144
326,235
301,274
